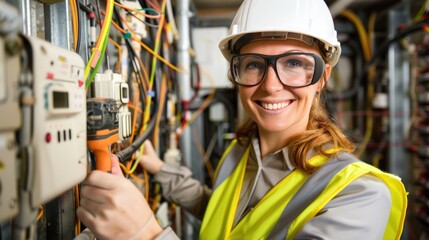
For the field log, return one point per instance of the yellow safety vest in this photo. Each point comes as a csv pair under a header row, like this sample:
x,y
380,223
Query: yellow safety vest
x,y
283,211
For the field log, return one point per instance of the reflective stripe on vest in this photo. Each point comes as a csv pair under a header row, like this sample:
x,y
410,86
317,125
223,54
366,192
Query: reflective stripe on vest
x,y
276,215
307,194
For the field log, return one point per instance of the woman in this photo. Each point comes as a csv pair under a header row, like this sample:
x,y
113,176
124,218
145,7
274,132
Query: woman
x,y
290,173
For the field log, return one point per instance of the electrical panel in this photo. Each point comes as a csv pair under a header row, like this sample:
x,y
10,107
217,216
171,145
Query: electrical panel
x,y
9,74
59,120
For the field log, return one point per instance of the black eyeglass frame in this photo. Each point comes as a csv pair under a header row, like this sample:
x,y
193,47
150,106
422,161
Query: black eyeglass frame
x,y
272,60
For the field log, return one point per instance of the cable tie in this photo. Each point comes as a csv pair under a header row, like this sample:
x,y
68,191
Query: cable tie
x,y
151,93
127,35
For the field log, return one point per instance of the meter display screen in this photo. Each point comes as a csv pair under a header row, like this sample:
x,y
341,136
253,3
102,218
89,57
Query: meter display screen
x,y
60,100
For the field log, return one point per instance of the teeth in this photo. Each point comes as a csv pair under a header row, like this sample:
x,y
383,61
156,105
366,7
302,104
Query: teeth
x,y
275,106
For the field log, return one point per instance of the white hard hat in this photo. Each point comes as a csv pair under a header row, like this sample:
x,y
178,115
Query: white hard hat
x,y
304,20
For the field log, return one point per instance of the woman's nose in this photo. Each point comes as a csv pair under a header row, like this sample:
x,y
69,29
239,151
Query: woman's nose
x,y
271,82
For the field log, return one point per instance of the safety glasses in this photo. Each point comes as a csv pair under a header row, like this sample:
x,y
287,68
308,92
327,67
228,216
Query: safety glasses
x,y
295,69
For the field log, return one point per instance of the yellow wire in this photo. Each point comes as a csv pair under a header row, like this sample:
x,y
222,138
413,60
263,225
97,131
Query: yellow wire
x,y
41,211
75,22
77,202
148,98
131,174
421,11
149,49
363,36
96,53
118,63
367,52
154,60
157,42
139,60
371,27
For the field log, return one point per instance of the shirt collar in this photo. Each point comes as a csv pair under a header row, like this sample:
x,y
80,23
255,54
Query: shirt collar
x,y
281,154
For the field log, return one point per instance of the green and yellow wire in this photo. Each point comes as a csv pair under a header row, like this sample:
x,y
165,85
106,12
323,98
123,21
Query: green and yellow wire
x,y
100,46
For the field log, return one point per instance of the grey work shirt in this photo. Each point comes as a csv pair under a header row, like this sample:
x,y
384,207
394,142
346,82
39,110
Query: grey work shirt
x,y
360,211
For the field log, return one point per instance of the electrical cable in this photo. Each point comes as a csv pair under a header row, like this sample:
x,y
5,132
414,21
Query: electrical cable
x,y
370,96
77,204
203,106
172,20
126,153
155,5
133,37
144,22
138,11
135,63
98,64
142,87
366,50
118,63
163,94
219,97
370,73
131,50
421,12
100,46
416,27
41,212
151,81
197,76
79,34
203,154
146,115
75,23
363,35
157,42
125,169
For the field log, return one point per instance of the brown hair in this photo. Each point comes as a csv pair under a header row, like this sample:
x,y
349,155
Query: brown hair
x,y
321,130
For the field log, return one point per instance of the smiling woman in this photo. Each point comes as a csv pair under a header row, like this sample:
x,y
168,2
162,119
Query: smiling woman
x,y
279,100
290,173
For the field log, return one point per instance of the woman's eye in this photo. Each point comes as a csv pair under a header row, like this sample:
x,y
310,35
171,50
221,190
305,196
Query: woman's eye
x,y
293,63
254,65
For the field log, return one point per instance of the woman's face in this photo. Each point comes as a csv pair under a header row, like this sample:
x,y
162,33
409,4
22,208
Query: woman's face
x,y
276,108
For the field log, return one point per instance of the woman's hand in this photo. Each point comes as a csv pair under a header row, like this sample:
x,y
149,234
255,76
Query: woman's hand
x,y
150,160
113,208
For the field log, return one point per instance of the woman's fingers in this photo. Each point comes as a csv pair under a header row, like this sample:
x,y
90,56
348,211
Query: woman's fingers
x,y
116,168
149,159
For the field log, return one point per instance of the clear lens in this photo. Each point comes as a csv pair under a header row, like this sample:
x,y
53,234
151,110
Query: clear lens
x,y
248,69
293,69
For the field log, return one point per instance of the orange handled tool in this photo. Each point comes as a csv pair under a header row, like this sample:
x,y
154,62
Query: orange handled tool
x,y
102,130
100,143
